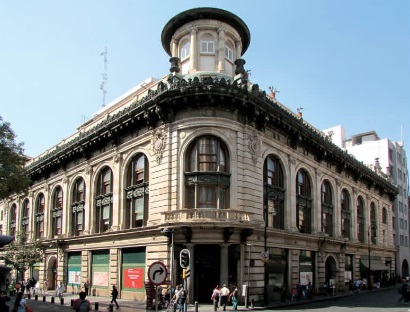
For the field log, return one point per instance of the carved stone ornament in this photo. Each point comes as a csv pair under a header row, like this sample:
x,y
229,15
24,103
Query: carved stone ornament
x,y
118,157
254,145
318,172
158,143
292,159
88,169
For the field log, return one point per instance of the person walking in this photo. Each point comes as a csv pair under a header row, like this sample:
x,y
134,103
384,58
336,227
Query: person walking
x,y
216,293
86,287
20,303
114,295
234,299
224,296
182,294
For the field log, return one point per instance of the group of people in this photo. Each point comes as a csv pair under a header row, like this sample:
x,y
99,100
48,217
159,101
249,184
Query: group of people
x,y
221,296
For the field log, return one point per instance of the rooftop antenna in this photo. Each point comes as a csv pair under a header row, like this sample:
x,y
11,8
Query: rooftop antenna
x,y
103,85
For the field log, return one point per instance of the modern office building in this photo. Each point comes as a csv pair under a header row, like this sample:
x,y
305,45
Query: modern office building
x,y
204,160
389,160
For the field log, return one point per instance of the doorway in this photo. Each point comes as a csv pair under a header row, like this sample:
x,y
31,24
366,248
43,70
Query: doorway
x,y
207,267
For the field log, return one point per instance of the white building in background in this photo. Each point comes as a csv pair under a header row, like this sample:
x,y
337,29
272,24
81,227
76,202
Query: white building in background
x,y
388,159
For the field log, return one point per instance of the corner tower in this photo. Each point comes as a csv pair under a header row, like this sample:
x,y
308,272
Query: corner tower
x,y
205,40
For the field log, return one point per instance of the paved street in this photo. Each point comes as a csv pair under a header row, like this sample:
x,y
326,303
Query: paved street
x,y
385,300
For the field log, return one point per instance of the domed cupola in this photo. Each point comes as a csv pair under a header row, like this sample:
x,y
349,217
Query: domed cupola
x,y
205,40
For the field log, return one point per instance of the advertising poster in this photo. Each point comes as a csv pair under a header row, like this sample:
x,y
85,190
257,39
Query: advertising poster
x,y
74,277
134,278
100,279
305,277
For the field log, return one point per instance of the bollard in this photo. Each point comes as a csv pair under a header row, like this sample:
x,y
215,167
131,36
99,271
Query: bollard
x,y
110,307
252,303
62,300
36,297
28,296
72,302
44,298
52,299
96,306
196,306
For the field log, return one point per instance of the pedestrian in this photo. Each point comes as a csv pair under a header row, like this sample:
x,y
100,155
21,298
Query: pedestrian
x,y
3,299
81,304
182,294
283,293
60,290
114,295
406,295
357,285
86,287
224,296
234,299
402,290
364,283
20,303
215,297
45,287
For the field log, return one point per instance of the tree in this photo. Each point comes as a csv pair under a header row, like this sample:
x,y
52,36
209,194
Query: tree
x,y
13,177
22,255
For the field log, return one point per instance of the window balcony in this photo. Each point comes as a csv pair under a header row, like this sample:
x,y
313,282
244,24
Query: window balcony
x,y
207,215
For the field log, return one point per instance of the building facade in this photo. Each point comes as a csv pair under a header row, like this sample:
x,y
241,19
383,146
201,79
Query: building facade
x,y
204,160
389,160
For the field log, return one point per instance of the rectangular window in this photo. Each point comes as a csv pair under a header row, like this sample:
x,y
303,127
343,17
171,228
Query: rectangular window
x,y
207,47
228,53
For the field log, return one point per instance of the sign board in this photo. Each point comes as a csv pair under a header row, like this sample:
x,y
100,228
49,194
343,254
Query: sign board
x,y
265,256
157,273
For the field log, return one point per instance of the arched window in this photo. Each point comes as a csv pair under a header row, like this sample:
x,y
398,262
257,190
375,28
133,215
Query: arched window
x,y
25,220
384,215
39,216
360,219
207,176
274,196
303,202
77,207
185,50
13,217
346,211
57,211
137,192
373,223
327,208
103,201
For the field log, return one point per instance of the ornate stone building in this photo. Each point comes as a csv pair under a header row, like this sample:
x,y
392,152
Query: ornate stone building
x,y
206,161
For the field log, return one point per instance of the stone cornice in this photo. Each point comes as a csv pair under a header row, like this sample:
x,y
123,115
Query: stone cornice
x,y
253,107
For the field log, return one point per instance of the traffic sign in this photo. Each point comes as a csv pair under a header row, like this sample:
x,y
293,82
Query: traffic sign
x,y
157,273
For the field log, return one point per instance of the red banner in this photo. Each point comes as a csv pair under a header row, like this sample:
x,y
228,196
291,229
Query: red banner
x,y
134,278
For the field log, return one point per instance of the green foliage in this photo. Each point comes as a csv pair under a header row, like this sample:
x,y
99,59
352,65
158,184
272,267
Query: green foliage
x,y
13,178
21,255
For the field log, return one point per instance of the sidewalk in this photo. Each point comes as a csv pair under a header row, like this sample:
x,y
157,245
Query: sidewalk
x,y
102,303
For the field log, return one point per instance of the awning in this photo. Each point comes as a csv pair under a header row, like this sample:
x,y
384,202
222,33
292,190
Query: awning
x,y
4,240
375,265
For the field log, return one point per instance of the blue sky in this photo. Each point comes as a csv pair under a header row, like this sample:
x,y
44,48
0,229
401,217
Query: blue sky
x,y
346,62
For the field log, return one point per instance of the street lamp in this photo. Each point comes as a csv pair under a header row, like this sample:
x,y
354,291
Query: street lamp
x,y
369,271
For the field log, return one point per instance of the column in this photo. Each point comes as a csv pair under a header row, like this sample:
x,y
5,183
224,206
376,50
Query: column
x,y
238,50
89,200
117,192
224,265
338,210
290,210
221,50
174,48
353,217
193,51
317,203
